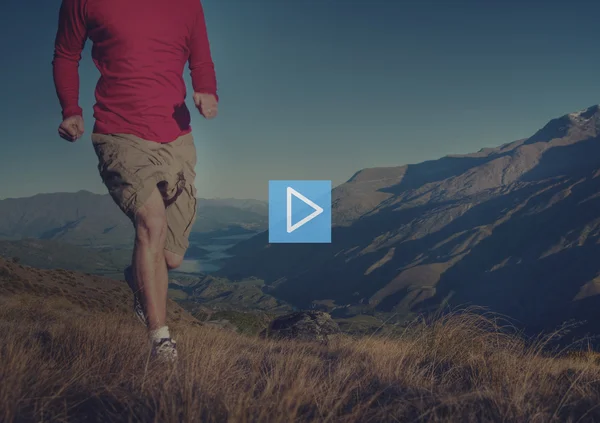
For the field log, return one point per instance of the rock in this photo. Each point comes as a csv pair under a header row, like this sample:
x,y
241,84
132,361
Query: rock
x,y
302,325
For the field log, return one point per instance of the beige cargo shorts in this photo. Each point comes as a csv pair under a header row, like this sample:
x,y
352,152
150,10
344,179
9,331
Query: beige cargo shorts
x,y
132,167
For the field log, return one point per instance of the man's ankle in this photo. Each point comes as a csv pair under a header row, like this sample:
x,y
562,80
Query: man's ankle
x,y
158,334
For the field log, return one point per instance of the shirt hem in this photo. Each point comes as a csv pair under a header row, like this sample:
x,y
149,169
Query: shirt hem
x,y
99,129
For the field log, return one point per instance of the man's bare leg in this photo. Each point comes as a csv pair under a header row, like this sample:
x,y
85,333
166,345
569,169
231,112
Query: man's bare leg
x,y
149,263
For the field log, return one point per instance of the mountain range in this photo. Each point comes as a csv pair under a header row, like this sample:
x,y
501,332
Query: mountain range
x,y
94,220
515,229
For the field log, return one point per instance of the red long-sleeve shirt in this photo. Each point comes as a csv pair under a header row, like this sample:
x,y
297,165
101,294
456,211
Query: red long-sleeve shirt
x,y
140,48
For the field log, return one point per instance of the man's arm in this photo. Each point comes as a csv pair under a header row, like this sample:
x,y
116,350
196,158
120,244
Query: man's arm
x,y
202,68
69,43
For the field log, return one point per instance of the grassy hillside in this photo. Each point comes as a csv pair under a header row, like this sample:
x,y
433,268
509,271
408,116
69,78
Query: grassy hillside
x,y
39,293
72,352
49,254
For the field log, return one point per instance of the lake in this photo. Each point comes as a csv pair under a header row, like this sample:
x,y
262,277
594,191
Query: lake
x,y
216,247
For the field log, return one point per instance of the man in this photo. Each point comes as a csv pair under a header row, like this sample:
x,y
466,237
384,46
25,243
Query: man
x,y
142,133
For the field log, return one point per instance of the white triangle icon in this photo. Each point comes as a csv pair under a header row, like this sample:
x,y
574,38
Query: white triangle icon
x,y
318,210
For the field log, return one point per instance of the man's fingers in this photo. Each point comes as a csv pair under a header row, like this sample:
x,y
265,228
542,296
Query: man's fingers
x,y
63,132
77,130
206,104
199,100
71,128
209,111
69,133
65,135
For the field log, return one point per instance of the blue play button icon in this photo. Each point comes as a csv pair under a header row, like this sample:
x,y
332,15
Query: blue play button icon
x,y
299,211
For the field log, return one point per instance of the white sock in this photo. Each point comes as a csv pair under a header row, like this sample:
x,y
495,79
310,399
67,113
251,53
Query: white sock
x,y
158,334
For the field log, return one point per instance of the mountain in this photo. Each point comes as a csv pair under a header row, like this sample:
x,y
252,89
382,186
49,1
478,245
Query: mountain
x,y
88,219
514,228
230,216
50,254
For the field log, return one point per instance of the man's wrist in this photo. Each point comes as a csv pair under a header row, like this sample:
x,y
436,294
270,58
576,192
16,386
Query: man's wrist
x,y
207,92
72,111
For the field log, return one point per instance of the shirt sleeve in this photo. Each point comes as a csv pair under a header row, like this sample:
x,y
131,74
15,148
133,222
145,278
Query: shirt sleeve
x,y
202,68
69,43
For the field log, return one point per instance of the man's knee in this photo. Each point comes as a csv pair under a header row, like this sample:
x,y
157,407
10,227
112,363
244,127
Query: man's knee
x,y
151,222
150,230
173,260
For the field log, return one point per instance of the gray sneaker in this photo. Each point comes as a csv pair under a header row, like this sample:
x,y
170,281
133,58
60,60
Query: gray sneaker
x,y
165,350
138,308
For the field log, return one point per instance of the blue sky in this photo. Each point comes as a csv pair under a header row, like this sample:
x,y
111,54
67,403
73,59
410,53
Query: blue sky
x,y
318,89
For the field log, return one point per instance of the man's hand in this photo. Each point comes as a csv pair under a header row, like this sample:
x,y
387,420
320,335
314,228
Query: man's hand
x,y
206,104
71,129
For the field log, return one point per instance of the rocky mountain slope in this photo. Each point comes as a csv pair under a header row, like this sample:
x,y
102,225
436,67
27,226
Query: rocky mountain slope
x,y
88,219
514,228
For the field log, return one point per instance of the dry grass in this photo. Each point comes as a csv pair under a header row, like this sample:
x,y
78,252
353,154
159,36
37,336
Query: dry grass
x,y
459,368
71,351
